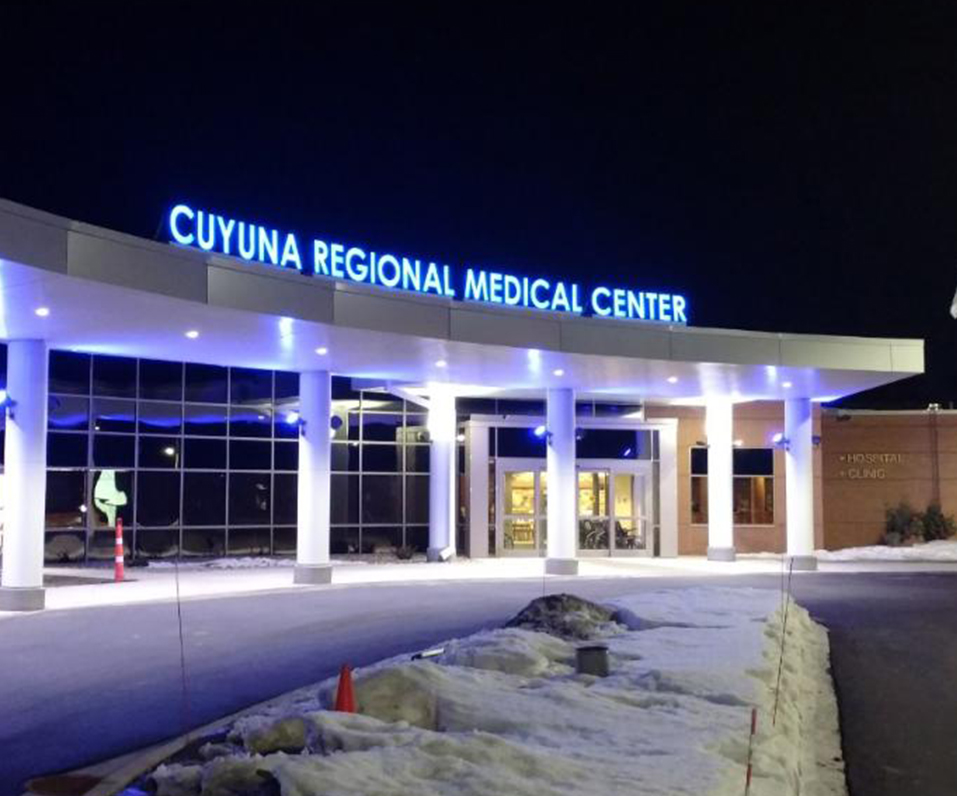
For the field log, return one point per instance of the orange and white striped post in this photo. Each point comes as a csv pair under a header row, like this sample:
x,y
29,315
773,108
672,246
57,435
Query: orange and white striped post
x,y
118,573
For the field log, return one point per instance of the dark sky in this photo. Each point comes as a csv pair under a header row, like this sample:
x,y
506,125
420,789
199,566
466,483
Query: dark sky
x,y
787,168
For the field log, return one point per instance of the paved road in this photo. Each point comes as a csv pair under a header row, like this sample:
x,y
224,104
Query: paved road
x,y
78,686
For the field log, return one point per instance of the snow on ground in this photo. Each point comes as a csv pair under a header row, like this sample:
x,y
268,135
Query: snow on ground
x,y
242,562
503,712
266,562
944,550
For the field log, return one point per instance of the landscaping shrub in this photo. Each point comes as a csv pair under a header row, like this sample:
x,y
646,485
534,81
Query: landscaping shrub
x,y
938,525
902,523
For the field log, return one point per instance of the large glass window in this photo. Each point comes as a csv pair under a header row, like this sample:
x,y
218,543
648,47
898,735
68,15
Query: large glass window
x,y
69,372
68,413
67,450
250,386
66,499
162,381
157,499
204,454
160,418
251,421
249,498
114,450
206,383
205,421
344,499
114,376
381,498
285,491
113,414
753,487
201,460
204,498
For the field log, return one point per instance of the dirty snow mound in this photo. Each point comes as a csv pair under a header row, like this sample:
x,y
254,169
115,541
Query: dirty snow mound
x,y
564,615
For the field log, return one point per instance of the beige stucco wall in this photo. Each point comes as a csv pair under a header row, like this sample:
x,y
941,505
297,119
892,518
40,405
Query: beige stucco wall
x,y
754,424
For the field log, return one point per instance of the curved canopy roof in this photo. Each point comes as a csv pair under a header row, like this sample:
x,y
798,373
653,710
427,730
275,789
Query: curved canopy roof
x,y
112,293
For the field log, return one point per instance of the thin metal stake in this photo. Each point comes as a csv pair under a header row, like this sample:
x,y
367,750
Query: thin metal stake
x,y
182,651
784,637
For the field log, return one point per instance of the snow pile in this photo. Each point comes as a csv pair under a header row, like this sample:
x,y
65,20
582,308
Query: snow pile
x,y
503,712
943,550
243,562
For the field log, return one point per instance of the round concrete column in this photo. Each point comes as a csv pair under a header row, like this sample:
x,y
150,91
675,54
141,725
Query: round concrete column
x,y
719,427
25,452
562,484
799,483
312,534
441,424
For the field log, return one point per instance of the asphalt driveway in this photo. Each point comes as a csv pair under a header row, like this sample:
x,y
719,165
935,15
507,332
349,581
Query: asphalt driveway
x,y
83,685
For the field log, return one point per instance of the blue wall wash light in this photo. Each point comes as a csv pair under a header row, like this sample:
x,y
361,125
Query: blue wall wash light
x,y
211,232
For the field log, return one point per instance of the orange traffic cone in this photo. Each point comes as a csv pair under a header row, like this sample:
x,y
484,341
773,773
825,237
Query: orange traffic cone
x,y
345,695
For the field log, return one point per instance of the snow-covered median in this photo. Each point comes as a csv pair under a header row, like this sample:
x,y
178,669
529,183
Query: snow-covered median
x,y
503,712
944,550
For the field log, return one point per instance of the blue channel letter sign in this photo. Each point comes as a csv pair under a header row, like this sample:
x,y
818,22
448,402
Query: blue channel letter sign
x,y
325,258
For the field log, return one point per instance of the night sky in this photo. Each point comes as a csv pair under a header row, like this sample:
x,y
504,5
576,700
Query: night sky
x,y
786,169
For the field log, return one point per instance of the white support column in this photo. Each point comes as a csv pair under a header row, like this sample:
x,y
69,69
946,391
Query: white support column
x,y
668,490
442,454
562,483
25,452
719,427
799,482
478,491
312,536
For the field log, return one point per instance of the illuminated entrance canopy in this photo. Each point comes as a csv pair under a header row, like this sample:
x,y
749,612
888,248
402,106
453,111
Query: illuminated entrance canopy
x,y
256,243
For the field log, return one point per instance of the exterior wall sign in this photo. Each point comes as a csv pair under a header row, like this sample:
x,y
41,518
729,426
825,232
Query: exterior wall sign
x,y
255,243
868,465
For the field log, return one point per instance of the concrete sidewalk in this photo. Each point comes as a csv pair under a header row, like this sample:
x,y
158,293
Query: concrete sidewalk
x,y
77,587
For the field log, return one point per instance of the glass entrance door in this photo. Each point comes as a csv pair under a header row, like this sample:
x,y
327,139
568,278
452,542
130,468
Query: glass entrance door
x,y
593,513
615,509
632,513
521,494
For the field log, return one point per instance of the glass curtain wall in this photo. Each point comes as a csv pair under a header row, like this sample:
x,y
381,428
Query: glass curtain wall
x,y
201,461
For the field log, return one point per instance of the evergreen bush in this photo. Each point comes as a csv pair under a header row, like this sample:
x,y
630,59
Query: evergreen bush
x,y
938,525
902,523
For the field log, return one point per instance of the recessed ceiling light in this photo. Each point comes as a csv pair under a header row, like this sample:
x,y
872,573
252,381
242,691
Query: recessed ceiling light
x,y
672,380
558,372
786,385
322,351
42,312
441,363
192,334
